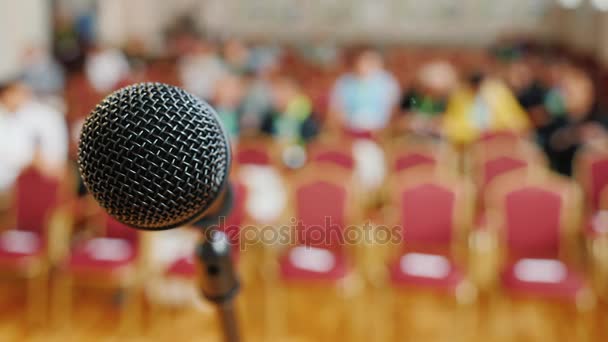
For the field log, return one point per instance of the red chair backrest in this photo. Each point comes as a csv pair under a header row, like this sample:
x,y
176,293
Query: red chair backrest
x,y
252,156
339,158
320,209
116,229
504,136
495,167
37,196
427,214
533,221
598,174
409,160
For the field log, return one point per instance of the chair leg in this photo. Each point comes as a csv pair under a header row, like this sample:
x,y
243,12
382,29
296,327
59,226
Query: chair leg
x,y
131,311
62,301
585,325
500,317
37,298
464,322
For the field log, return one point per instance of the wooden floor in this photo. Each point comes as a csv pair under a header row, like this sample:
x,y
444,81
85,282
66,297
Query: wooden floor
x,y
315,314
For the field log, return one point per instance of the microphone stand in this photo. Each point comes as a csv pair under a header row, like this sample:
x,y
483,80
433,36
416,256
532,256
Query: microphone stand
x,y
219,283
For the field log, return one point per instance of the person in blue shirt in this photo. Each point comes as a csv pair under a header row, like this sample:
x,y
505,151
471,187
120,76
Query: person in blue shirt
x,y
364,99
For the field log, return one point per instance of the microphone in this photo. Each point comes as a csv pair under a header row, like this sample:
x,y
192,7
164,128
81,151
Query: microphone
x,y
156,157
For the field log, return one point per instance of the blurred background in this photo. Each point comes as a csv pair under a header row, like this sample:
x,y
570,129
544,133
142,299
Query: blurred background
x,y
464,144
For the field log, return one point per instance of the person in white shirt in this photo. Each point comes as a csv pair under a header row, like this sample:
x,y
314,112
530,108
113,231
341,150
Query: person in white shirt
x,y
29,132
200,70
105,68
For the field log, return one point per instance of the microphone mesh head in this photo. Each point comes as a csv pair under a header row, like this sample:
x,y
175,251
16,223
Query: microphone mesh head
x,y
154,156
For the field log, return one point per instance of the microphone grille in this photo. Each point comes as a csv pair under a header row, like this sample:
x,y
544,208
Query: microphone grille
x,y
154,156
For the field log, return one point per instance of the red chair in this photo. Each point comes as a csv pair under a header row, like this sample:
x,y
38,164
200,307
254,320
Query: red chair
x,y
321,205
405,156
30,246
409,160
254,153
314,270
591,170
487,165
114,258
508,137
535,219
339,155
434,212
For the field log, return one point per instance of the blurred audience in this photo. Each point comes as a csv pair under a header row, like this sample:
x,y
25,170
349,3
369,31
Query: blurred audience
x,y
237,57
364,99
291,120
30,132
105,68
423,104
42,73
582,123
228,104
258,99
482,106
200,69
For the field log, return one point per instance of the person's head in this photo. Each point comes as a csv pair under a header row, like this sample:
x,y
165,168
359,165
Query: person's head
x,y
577,90
368,63
235,52
519,75
229,91
438,77
475,80
13,94
284,89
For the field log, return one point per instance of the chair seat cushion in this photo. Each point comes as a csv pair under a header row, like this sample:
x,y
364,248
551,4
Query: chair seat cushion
x,y
548,278
18,245
185,267
102,254
425,270
182,267
313,263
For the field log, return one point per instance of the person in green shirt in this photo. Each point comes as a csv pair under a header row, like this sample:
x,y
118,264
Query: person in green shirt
x,y
423,104
291,120
227,103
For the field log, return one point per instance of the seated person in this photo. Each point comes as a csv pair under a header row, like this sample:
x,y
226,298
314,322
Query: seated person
x,y
105,68
482,106
423,104
291,121
583,122
30,132
529,90
237,57
200,69
228,104
363,101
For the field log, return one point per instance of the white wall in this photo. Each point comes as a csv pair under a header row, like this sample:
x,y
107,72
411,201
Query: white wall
x,y
427,21
120,20
431,21
23,23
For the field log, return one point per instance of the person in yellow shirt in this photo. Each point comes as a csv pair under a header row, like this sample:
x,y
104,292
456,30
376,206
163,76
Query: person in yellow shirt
x,y
486,105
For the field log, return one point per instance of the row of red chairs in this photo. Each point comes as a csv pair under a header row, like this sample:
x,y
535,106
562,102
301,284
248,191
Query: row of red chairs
x,y
528,214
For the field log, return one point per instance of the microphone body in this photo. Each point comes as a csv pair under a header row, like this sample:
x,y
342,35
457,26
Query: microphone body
x,y
154,156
